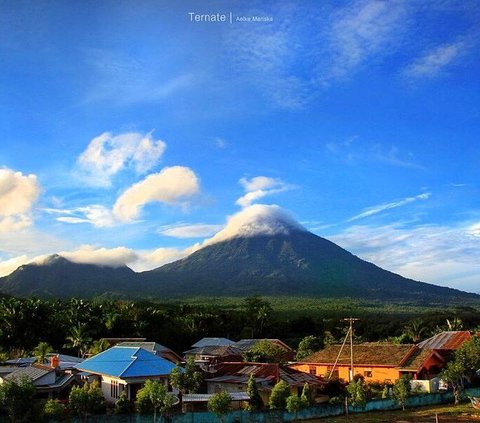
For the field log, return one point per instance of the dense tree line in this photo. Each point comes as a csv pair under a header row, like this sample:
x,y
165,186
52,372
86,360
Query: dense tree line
x,y
77,325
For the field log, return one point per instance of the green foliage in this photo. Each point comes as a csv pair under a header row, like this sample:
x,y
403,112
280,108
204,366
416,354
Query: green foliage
x,y
54,410
154,397
357,394
220,404
188,379
16,397
401,390
256,402
308,346
86,400
415,330
41,351
265,352
294,404
79,339
307,395
259,313
123,405
386,392
468,356
278,397
453,374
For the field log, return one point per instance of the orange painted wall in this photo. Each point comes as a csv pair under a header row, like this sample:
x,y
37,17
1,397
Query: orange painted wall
x,y
379,374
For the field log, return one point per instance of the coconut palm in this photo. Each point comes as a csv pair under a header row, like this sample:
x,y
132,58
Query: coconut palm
x,y
41,351
79,339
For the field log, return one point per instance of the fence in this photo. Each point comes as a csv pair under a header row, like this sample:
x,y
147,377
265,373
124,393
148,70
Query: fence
x,y
317,412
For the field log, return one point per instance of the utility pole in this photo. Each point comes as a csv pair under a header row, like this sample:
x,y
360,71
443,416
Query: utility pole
x,y
350,332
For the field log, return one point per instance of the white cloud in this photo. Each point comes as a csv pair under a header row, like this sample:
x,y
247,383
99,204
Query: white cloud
x,y
361,31
173,185
259,187
259,219
148,260
10,265
106,155
445,255
435,60
387,206
18,193
95,214
113,257
198,230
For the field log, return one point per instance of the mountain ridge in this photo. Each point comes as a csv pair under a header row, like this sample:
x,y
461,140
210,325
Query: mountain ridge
x,y
262,253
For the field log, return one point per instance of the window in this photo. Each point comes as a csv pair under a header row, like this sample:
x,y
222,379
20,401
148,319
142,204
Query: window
x,y
312,370
334,374
114,391
367,373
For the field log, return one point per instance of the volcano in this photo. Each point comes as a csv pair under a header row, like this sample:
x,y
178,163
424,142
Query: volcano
x,y
261,251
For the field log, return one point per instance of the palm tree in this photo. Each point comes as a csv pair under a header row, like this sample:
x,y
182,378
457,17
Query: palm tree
x,y
41,351
415,330
79,339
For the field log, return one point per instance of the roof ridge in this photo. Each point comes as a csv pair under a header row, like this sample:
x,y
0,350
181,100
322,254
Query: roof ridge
x,y
134,358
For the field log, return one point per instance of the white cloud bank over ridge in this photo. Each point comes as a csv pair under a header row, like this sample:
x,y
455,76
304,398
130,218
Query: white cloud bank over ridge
x,y
18,193
106,155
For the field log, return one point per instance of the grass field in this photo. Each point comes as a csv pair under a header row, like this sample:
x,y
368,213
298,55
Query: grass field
x,y
446,414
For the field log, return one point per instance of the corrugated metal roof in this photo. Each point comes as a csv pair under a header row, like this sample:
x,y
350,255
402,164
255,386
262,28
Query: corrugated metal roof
x,y
215,342
216,351
236,396
240,372
125,362
247,344
149,346
448,340
32,372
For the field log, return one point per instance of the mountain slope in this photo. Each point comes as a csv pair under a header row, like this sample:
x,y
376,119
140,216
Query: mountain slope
x,y
298,263
261,250
60,278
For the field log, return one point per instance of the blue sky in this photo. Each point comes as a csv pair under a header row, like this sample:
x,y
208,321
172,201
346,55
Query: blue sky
x,y
130,134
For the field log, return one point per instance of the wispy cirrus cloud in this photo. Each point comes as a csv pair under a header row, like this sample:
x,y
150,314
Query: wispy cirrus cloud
x,y
108,154
440,254
95,214
123,80
436,60
184,230
361,31
370,211
259,187
354,150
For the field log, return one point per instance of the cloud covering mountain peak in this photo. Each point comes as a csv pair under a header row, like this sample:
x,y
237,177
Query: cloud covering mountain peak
x,y
259,219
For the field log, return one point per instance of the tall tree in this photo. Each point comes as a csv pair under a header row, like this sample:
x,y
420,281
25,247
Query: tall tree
x,y
79,339
401,390
256,402
278,398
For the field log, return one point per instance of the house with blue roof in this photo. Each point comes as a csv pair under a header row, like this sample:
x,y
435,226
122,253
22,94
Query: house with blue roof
x,y
123,368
